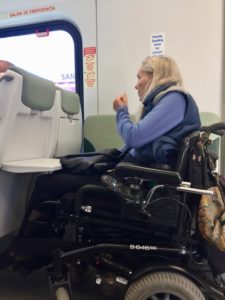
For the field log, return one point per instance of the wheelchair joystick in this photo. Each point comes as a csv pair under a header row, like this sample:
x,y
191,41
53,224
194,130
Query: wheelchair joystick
x,y
135,189
130,189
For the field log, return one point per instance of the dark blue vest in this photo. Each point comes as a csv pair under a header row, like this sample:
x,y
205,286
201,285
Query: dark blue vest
x,y
164,149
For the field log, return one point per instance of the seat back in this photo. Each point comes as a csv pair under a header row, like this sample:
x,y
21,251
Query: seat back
x,y
31,133
10,88
208,118
100,132
69,140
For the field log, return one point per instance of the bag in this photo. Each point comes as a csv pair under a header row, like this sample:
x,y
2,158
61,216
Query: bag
x,y
92,162
211,215
201,166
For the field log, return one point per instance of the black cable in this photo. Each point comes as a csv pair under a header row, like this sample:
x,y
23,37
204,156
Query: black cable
x,y
175,200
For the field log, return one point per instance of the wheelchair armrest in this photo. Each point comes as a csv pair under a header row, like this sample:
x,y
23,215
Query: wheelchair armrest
x,y
163,176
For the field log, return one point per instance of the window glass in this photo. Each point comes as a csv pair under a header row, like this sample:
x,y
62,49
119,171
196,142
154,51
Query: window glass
x,y
52,50
49,54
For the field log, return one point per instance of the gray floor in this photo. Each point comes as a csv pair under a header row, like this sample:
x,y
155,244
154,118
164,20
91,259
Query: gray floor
x,y
14,286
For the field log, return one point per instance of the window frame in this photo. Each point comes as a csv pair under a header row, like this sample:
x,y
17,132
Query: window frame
x,y
54,26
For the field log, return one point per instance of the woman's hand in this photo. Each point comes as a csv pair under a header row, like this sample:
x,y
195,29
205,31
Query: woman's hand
x,y
120,101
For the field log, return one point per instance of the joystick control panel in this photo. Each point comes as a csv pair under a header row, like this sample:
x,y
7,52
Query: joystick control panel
x,y
129,188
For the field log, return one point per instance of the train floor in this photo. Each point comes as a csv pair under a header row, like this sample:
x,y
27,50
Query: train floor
x,y
14,286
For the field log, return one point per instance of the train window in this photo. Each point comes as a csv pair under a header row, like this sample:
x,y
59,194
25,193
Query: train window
x,y
52,50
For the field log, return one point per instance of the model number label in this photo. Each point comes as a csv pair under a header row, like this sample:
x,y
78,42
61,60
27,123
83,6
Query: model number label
x,y
142,247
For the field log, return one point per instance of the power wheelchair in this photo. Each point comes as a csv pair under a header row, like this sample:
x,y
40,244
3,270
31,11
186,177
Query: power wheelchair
x,y
143,245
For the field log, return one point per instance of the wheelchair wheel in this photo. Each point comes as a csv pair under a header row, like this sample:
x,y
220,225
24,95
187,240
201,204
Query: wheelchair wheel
x,y
61,293
163,285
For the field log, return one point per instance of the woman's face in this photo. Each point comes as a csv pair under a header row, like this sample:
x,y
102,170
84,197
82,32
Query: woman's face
x,y
143,83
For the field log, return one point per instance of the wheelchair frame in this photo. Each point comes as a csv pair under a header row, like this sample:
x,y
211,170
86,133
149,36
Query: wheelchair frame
x,y
174,254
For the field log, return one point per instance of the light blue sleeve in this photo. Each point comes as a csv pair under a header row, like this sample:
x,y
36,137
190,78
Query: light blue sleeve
x,y
167,114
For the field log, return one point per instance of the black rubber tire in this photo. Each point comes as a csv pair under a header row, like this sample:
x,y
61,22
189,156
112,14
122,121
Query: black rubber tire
x,y
172,285
61,293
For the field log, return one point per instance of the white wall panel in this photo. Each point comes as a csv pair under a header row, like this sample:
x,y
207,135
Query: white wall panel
x,y
193,37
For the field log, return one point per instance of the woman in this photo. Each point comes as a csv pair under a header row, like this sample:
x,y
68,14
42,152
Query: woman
x,y
168,114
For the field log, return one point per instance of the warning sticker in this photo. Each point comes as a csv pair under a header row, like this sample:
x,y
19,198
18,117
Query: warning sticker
x,y
90,66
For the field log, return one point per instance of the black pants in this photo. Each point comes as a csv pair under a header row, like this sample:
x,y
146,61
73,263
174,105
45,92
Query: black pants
x,y
54,186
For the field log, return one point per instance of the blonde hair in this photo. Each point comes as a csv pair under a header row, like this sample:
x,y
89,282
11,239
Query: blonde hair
x,y
163,69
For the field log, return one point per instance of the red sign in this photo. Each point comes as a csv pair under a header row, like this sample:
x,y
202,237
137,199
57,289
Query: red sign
x,y
90,66
32,11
